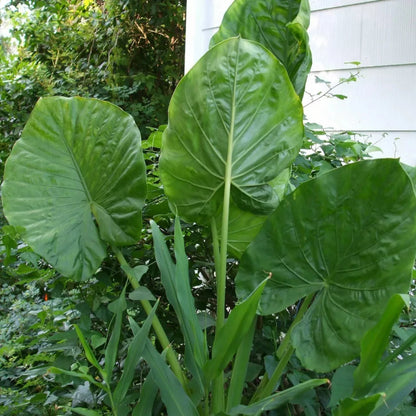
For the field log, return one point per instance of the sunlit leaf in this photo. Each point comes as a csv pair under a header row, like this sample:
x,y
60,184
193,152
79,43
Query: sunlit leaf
x,y
234,117
77,163
280,25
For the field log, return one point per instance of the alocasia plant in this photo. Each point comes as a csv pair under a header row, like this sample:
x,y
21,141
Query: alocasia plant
x,y
344,243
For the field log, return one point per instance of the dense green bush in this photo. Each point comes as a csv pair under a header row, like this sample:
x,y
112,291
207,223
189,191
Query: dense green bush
x,y
129,52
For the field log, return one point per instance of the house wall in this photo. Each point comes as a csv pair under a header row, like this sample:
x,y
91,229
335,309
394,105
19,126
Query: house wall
x,y
380,34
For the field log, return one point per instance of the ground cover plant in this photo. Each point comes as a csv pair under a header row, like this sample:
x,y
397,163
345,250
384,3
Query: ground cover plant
x,y
333,257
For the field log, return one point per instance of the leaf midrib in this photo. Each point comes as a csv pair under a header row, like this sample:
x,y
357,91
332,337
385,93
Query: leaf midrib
x,y
77,169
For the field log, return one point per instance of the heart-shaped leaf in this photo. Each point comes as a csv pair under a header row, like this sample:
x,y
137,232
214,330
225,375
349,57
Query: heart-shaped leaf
x,y
349,237
279,25
78,163
234,118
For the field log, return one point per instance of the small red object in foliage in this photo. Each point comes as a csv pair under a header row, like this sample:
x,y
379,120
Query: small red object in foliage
x,y
45,297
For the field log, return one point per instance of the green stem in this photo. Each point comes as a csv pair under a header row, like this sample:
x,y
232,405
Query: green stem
x,y
215,244
113,406
218,387
157,326
284,352
218,401
302,310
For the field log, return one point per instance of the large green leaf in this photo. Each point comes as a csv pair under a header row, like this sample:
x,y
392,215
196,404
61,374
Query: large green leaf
x,y
234,118
349,237
244,225
280,25
78,161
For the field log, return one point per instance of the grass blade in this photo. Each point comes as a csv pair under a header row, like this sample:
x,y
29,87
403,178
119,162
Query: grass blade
x,y
133,356
83,376
88,352
374,344
240,366
85,412
278,399
148,395
118,308
174,397
175,279
232,333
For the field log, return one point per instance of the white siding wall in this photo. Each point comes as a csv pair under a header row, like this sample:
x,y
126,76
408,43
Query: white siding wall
x,y
380,34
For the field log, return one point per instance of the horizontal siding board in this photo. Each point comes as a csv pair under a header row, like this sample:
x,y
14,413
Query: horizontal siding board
x,y
213,13
375,34
330,4
381,100
395,144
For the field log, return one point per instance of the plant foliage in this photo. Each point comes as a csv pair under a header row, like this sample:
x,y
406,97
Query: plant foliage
x,y
317,264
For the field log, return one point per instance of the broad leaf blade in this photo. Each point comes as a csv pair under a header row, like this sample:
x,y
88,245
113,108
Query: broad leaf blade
x,y
243,225
235,113
346,236
280,25
76,157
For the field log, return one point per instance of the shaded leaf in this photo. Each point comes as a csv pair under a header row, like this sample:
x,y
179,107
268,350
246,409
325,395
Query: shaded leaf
x,y
136,272
342,384
346,236
148,395
141,293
